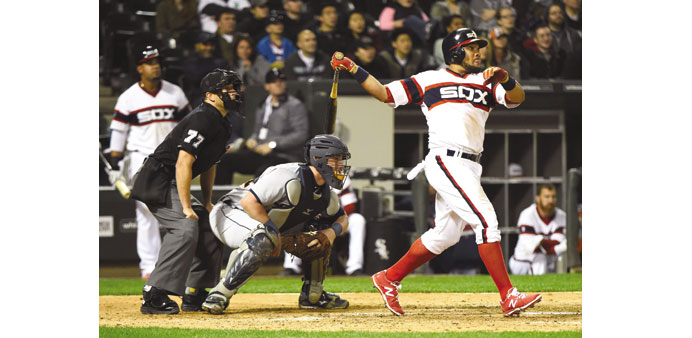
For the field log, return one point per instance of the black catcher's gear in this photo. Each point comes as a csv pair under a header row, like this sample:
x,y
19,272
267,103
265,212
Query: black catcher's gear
x,y
217,80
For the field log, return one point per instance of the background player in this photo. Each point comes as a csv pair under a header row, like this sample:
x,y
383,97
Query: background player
x,y
456,102
250,218
144,114
541,235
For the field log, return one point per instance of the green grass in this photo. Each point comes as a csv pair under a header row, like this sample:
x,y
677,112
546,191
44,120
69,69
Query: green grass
x,y
176,332
414,283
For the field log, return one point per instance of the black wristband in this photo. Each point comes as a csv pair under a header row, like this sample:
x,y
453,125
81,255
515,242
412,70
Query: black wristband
x,y
510,84
361,75
338,228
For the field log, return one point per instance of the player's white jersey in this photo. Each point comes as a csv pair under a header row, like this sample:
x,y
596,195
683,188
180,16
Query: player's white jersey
x,y
149,117
533,228
456,106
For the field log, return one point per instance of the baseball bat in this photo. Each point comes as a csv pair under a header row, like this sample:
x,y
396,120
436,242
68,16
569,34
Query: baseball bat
x,y
330,122
119,184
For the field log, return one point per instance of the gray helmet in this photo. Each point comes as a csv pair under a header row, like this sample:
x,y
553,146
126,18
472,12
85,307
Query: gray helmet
x,y
319,149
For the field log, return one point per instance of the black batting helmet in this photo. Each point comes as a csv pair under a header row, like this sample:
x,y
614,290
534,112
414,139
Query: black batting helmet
x,y
146,53
319,149
454,41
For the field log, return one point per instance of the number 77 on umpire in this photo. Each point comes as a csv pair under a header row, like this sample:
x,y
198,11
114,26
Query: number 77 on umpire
x,y
190,255
456,102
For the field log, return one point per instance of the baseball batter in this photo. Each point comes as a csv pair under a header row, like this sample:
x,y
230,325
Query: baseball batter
x,y
144,114
456,102
541,235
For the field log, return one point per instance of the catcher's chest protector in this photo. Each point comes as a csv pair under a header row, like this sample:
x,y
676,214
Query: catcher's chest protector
x,y
309,204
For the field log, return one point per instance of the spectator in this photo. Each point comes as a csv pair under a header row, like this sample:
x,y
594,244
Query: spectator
x,y
295,20
566,39
357,28
225,33
403,60
250,66
573,14
255,24
485,53
450,23
544,60
484,13
278,136
502,55
506,19
441,9
176,16
367,57
329,39
308,62
541,235
405,13
274,47
199,65
209,9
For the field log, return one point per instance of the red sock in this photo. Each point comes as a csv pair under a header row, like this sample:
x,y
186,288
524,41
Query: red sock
x,y
491,254
416,256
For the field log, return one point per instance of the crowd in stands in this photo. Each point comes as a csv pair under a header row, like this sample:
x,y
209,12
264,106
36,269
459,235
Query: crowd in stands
x,y
537,39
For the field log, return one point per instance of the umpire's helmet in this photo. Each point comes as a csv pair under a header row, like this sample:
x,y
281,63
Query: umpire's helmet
x,y
319,149
216,80
146,53
454,41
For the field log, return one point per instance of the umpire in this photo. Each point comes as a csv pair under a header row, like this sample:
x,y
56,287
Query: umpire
x,y
187,265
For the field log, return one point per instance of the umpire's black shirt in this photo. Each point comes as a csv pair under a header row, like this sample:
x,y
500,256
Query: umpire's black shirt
x,y
203,133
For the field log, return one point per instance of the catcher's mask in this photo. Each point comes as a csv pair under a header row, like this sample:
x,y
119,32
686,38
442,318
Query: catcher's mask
x,y
328,154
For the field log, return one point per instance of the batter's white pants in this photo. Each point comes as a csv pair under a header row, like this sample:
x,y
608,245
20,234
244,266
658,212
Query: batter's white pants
x,y
148,236
356,244
540,265
460,200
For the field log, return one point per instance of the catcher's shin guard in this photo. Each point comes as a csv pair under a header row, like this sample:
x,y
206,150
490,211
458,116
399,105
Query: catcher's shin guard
x,y
314,273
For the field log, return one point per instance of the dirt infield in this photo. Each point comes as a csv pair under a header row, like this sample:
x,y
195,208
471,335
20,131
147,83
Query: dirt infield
x,y
425,312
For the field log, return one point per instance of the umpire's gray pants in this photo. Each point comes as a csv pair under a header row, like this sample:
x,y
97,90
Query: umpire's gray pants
x,y
190,253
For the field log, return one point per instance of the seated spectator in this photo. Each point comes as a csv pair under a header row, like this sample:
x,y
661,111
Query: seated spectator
x,y
541,235
450,23
506,19
403,60
566,39
329,39
225,33
199,65
366,56
296,20
543,59
255,24
208,11
484,13
502,55
176,16
274,47
405,13
308,62
250,66
278,135
485,53
441,9
357,28
573,14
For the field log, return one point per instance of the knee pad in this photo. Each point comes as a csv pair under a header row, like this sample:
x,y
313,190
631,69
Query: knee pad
x,y
247,259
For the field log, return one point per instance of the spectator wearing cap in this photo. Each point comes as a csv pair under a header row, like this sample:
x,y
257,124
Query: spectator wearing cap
x,y
225,33
405,13
358,27
403,60
255,23
566,39
484,14
250,66
199,65
502,55
329,39
506,19
279,133
176,16
308,62
366,57
450,23
543,59
274,47
295,20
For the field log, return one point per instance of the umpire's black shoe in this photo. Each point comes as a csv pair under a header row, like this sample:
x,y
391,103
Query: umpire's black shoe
x,y
156,301
194,302
327,300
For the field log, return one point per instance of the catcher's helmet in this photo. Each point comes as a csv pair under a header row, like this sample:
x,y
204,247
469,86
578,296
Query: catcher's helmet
x,y
319,149
146,53
454,41
216,80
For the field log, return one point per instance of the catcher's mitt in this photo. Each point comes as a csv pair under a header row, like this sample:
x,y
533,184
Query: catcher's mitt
x,y
297,245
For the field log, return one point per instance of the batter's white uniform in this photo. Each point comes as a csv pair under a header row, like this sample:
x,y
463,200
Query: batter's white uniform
x,y
456,107
146,118
528,259
356,229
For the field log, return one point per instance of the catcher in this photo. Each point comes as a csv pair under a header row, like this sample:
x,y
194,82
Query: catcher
x,y
255,218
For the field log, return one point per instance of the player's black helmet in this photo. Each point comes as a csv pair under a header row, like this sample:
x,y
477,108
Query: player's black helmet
x,y
454,41
217,80
319,149
146,53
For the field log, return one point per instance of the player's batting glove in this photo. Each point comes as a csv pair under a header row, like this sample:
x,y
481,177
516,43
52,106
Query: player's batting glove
x,y
495,75
114,176
344,63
